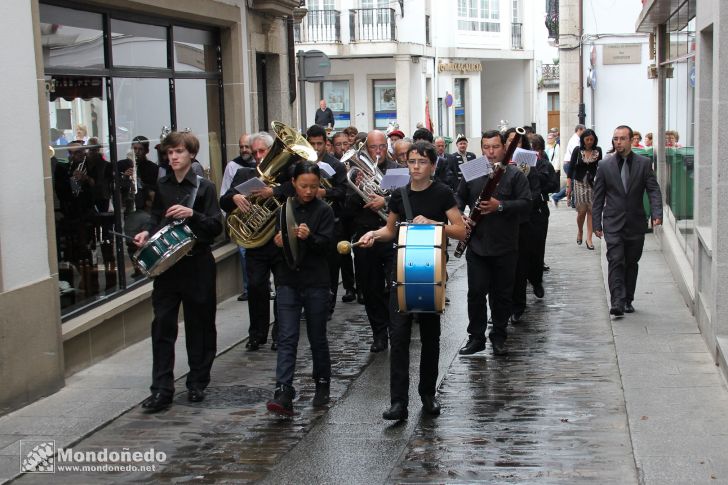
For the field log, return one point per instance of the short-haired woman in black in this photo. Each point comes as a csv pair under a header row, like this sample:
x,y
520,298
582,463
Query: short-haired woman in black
x,y
580,178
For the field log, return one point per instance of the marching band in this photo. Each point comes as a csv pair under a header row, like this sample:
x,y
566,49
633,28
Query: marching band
x,y
300,211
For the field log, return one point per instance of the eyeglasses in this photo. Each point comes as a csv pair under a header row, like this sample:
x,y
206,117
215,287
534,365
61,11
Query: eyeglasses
x,y
374,147
418,161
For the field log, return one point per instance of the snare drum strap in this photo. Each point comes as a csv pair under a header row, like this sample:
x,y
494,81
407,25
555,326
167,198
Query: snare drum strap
x,y
406,202
193,195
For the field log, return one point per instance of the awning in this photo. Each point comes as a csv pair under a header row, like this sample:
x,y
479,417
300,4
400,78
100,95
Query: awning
x,y
658,12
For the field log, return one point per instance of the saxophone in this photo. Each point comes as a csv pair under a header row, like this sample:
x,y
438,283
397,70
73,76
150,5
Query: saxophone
x,y
256,227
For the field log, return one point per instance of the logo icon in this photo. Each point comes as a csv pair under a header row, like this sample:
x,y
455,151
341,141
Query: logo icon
x,y
37,456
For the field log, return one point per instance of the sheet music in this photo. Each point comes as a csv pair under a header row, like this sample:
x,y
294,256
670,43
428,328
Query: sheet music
x,y
398,171
392,181
528,157
476,168
247,187
327,169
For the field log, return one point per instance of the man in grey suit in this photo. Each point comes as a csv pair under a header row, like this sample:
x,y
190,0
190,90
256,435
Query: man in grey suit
x,y
618,215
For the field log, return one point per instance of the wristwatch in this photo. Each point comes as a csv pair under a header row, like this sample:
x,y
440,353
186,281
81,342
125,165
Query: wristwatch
x,y
500,207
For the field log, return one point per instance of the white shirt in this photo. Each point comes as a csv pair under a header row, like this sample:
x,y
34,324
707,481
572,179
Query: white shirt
x,y
553,155
573,143
227,179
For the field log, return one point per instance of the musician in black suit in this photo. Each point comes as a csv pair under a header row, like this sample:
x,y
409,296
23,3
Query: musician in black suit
x,y
460,156
182,195
493,250
618,215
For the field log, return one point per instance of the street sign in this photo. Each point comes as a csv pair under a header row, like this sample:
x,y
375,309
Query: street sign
x,y
315,66
448,100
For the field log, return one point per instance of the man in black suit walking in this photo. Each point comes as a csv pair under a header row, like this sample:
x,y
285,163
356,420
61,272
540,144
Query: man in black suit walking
x,y
618,215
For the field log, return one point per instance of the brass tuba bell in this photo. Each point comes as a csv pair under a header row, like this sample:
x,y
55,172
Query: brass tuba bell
x,y
256,227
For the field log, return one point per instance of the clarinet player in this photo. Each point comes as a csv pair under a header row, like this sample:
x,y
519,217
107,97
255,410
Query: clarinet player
x,y
493,251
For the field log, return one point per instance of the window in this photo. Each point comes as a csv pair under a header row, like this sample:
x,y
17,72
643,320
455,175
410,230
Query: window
x,y
479,15
104,185
336,94
458,105
385,103
680,124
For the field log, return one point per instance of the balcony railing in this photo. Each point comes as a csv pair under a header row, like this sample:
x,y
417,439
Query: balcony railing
x,y
319,26
550,72
372,24
516,38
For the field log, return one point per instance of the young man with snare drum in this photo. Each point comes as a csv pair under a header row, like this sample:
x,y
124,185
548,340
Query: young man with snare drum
x,y
182,195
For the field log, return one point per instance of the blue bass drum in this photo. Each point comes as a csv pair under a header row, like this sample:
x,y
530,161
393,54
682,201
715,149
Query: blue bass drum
x,y
421,271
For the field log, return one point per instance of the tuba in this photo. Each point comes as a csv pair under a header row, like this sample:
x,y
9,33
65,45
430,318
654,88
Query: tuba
x,y
360,164
256,227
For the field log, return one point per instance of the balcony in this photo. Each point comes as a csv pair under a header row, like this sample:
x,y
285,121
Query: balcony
x,y
372,24
516,36
550,72
319,26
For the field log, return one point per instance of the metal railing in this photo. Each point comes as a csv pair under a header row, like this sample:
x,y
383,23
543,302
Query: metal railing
x,y
372,24
516,37
319,26
550,72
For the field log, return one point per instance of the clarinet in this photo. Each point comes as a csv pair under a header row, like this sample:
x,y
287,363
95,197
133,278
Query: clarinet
x,y
488,191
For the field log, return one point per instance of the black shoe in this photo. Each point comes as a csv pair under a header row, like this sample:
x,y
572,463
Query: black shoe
x,y
252,345
321,397
628,308
274,345
272,294
379,345
243,296
330,316
499,348
360,298
538,291
546,268
516,317
473,346
396,412
430,405
156,402
282,402
447,301
349,296
617,310
195,395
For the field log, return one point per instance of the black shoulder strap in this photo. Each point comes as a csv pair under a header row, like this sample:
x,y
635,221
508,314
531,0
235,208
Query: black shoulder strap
x,y
407,206
193,195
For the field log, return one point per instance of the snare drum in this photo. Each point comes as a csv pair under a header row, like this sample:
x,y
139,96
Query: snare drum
x,y
421,271
163,249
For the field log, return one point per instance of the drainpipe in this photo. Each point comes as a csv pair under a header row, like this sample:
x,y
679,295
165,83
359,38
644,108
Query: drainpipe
x,y
582,107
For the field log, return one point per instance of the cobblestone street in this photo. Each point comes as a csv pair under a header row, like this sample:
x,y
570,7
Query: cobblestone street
x,y
552,411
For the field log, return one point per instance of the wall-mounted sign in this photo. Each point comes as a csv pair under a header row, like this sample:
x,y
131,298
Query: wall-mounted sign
x,y
459,67
622,54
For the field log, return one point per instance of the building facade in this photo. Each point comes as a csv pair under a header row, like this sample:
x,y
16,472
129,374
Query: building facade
x,y
106,72
690,39
458,66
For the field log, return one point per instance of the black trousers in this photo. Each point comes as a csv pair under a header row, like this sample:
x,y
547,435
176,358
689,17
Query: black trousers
x,y
623,255
345,260
373,268
491,277
259,264
400,334
334,260
531,248
191,282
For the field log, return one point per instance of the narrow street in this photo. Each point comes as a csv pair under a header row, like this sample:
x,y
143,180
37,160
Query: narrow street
x,y
552,411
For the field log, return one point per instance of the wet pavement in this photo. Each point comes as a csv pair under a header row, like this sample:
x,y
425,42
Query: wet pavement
x,y
551,411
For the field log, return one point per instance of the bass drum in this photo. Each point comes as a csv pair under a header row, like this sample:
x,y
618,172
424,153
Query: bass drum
x,y
421,268
163,249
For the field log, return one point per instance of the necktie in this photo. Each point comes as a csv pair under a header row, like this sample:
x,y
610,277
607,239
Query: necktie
x,y
625,174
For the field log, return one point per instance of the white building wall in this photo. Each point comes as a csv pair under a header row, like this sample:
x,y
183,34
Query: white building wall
x,y
23,233
505,94
614,105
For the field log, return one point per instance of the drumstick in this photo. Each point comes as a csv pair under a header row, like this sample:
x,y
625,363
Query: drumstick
x,y
344,247
122,235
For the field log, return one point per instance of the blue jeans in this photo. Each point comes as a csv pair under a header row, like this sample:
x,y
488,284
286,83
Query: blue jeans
x,y
315,302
